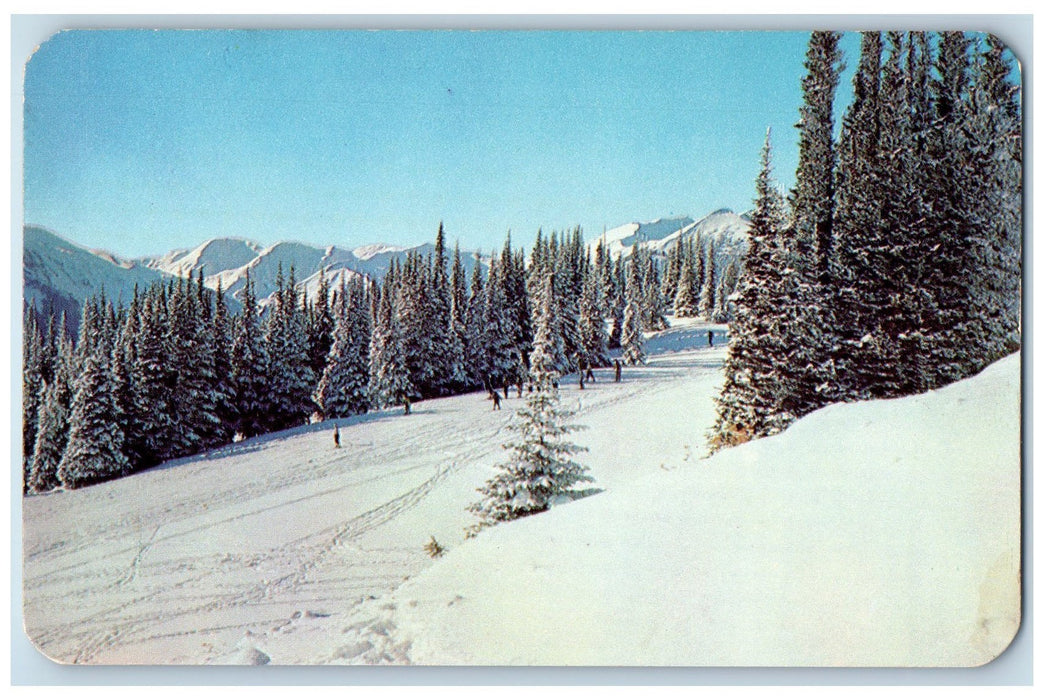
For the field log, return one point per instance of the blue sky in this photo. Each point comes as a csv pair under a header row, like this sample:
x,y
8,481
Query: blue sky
x,y
142,141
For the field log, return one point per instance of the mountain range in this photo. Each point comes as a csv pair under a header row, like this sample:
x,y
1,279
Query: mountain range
x,y
61,274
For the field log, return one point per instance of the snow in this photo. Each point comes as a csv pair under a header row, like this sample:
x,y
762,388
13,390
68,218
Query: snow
x,y
365,252
66,273
881,533
725,228
213,256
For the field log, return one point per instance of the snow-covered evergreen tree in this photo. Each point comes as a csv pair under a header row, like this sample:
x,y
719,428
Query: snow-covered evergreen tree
x,y
32,382
288,373
248,360
95,449
476,331
459,321
748,405
654,306
548,356
617,302
686,296
593,337
319,324
502,358
52,433
632,339
389,373
343,389
541,467
813,197
710,281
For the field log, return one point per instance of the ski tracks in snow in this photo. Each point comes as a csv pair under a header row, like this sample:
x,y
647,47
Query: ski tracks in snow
x,y
176,565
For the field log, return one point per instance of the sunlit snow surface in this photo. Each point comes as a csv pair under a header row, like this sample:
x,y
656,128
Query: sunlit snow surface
x,y
883,533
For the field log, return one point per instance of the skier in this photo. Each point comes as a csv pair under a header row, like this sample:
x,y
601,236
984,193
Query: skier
x,y
405,404
590,373
580,375
496,400
337,436
710,338
618,369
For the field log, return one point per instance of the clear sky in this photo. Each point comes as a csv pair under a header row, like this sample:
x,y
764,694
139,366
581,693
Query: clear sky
x,y
141,141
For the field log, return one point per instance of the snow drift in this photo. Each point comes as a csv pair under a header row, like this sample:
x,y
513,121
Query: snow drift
x,y
875,534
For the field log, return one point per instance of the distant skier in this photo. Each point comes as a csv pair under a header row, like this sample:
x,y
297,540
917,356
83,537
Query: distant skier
x,y
710,338
618,370
337,436
590,373
496,400
405,404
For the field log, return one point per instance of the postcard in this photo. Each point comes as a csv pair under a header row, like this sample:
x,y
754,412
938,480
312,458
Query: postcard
x,y
522,348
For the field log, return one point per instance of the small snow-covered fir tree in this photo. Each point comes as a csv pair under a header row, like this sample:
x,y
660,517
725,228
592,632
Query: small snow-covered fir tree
x,y
631,338
686,299
541,468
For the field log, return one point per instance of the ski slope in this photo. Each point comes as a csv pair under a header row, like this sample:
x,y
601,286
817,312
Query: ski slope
x,y
264,551
877,533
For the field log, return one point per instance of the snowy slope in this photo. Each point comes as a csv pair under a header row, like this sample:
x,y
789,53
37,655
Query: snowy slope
x,y
725,228
59,272
875,534
272,544
213,256
620,240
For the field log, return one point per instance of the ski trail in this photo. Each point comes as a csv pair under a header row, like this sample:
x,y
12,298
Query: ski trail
x,y
176,564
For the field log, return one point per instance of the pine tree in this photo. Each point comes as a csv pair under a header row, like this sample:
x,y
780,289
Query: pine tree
x,y
343,389
502,358
476,338
686,297
541,467
94,452
320,326
53,426
32,382
710,282
749,403
220,337
289,375
458,322
813,198
632,339
617,302
861,246
654,305
994,139
389,373
248,361
548,356
445,352
593,338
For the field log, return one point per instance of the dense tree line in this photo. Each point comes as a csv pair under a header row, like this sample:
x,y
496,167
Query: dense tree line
x,y
175,373
894,266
